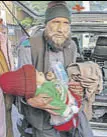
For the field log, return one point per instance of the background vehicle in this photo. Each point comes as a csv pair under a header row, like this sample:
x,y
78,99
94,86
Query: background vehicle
x,y
89,29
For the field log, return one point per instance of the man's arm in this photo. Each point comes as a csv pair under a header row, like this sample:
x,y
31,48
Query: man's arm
x,y
24,56
42,101
74,51
75,86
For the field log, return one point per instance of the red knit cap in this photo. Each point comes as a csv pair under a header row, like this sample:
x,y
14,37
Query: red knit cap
x,y
20,83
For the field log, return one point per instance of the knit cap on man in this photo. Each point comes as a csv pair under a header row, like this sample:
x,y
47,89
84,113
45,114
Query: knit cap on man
x,y
57,9
21,82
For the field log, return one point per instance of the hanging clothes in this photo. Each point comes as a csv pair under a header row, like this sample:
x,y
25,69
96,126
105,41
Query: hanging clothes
x,y
6,64
7,50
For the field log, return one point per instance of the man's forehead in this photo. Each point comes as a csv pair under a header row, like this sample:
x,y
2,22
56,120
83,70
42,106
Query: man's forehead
x,y
60,19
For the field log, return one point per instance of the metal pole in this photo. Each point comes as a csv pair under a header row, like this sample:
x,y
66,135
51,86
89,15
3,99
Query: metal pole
x,y
16,19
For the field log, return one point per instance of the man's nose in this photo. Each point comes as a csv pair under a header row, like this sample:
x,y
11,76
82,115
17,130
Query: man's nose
x,y
60,27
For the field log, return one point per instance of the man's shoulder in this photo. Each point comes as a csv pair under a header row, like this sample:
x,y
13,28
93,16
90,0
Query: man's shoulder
x,y
37,38
73,42
37,34
72,45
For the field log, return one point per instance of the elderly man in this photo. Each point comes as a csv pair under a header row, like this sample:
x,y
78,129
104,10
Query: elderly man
x,y
47,48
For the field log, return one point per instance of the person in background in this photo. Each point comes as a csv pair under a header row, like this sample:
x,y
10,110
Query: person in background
x,y
2,116
6,64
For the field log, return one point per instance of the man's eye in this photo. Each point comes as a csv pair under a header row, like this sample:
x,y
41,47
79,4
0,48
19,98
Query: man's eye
x,y
55,21
66,23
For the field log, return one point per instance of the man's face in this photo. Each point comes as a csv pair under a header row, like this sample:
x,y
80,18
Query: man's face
x,y
58,30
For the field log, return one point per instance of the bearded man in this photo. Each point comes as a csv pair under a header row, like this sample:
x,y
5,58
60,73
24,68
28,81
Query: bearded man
x,y
48,47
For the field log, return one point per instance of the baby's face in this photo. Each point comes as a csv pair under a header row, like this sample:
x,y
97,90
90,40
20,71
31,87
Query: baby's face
x,y
40,78
50,76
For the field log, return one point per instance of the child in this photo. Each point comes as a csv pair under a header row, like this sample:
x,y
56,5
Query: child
x,y
28,82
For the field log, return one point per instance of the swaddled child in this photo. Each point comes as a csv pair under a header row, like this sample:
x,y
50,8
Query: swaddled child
x,y
28,82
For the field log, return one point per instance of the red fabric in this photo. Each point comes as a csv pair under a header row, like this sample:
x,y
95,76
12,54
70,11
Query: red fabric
x,y
77,97
19,83
70,124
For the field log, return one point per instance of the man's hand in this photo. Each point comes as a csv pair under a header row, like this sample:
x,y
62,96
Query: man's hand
x,y
42,101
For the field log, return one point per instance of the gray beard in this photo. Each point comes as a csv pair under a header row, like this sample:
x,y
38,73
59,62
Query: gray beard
x,y
55,46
